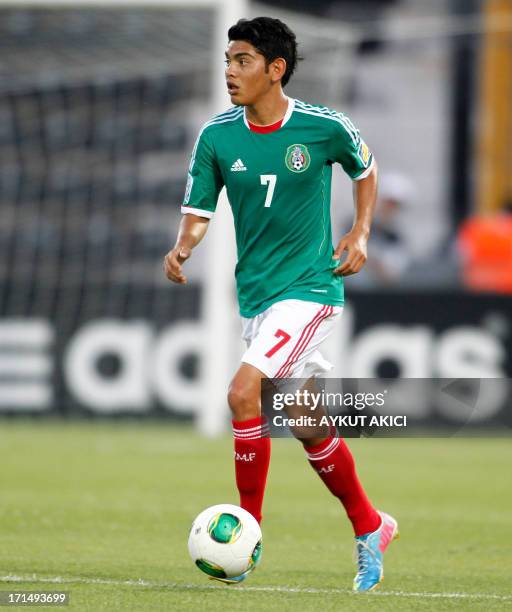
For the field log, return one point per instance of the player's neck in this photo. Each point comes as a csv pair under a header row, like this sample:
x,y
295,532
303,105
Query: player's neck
x,y
269,110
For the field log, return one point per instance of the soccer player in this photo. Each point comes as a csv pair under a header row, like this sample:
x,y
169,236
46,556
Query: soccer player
x,y
275,155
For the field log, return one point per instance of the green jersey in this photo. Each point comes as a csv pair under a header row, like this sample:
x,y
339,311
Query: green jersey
x,y
279,188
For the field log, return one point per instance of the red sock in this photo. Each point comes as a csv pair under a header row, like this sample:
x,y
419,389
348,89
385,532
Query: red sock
x,y
333,462
252,458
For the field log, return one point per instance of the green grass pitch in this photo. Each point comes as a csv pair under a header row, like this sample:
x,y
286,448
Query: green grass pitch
x,y
103,511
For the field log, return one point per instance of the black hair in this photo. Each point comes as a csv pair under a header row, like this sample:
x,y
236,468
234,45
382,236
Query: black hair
x,y
270,37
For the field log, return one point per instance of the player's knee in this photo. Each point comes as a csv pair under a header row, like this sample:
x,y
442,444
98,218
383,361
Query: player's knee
x,y
242,403
308,441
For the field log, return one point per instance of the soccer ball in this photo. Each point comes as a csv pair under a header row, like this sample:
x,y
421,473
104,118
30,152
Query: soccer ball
x,y
225,542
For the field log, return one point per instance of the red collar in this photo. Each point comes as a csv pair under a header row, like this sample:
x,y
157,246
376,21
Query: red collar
x,y
264,129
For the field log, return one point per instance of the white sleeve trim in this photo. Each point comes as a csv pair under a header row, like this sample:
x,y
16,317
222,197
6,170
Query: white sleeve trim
x,y
189,210
366,172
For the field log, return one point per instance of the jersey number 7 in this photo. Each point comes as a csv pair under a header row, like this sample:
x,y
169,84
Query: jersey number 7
x,y
270,180
279,334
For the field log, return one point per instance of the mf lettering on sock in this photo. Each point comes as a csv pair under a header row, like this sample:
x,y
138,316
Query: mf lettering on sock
x,y
244,456
327,469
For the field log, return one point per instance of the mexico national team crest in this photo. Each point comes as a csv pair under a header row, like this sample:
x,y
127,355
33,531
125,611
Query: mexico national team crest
x,y
297,158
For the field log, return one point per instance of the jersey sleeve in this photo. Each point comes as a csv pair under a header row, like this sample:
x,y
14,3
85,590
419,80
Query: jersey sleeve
x,y
349,149
204,180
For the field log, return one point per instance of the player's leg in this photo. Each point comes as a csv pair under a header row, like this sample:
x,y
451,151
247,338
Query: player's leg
x,y
330,456
251,440
268,337
332,460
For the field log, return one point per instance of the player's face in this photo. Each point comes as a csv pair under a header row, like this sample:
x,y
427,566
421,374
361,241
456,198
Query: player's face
x,y
247,74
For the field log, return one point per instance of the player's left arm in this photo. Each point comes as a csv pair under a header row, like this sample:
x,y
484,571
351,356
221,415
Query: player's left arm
x,y
356,240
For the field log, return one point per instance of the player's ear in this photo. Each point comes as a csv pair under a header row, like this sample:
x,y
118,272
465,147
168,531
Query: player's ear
x,y
277,68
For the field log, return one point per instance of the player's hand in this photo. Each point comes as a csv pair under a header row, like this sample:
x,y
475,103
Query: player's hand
x,y
355,243
173,264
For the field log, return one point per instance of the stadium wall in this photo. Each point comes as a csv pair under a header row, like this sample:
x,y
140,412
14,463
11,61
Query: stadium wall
x,y
132,363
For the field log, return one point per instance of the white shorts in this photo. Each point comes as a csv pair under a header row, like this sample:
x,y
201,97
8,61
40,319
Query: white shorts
x,y
283,340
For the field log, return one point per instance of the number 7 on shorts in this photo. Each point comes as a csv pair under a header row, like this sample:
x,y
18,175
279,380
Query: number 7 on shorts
x,y
279,334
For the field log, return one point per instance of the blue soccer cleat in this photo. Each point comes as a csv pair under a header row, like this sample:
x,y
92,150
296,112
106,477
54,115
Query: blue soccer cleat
x,y
370,549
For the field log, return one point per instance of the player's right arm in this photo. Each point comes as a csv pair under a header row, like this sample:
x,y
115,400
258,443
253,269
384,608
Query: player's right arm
x,y
203,186
191,232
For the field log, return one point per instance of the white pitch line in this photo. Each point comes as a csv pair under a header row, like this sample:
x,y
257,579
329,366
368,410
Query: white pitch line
x,y
257,589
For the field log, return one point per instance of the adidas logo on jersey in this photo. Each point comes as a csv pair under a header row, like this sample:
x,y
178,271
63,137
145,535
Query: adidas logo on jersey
x,y
238,166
